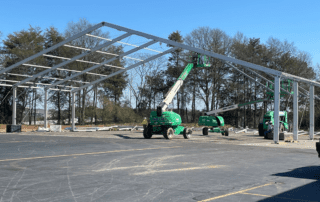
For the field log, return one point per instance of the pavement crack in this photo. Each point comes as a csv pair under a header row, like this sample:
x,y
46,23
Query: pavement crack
x,y
4,192
69,183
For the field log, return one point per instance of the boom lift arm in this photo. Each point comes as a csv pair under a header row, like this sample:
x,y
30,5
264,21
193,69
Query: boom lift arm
x,y
233,107
174,89
285,89
196,62
211,118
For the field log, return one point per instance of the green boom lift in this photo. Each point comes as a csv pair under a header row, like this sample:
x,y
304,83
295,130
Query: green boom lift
x,y
215,122
283,115
167,123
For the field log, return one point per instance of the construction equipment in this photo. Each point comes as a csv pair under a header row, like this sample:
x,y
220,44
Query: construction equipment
x,y
268,119
167,123
267,124
285,88
216,123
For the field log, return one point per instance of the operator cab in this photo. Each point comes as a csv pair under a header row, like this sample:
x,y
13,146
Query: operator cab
x,y
199,60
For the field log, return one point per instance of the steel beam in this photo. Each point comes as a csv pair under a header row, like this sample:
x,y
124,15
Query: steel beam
x,y
73,111
45,77
280,85
53,47
84,61
14,106
265,86
102,52
42,84
74,58
307,93
311,128
212,54
126,69
126,44
61,69
295,110
261,77
276,109
298,78
104,62
8,85
198,50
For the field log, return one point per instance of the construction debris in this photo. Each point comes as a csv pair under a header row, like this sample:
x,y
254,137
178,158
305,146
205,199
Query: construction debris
x,y
43,129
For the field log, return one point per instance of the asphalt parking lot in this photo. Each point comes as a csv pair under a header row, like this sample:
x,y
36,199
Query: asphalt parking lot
x,y
122,166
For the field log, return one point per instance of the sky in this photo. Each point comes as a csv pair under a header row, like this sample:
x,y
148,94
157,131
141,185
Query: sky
x,y
291,20
295,21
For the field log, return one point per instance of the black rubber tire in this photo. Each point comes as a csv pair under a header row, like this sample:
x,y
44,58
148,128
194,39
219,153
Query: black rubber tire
x,y
223,133
168,133
260,128
187,133
318,148
226,132
205,131
147,132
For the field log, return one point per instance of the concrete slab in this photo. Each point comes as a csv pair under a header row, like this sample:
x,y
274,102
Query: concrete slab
x,y
122,166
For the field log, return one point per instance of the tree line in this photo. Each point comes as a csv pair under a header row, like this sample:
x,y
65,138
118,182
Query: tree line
x,y
204,89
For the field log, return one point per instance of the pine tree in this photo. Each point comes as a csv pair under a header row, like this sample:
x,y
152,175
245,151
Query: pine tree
x,y
175,67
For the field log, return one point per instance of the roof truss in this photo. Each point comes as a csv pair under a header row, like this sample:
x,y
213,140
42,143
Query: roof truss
x,y
128,32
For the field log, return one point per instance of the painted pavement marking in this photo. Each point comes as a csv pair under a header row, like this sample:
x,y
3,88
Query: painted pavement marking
x,y
257,194
179,169
238,192
83,154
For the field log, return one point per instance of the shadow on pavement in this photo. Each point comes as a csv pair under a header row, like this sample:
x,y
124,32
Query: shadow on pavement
x,y
308,192
127,137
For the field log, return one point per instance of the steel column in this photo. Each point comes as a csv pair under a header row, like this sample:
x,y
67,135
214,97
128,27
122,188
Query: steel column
x,y
73,111
311,100
295,110
276,109
45,108
14,106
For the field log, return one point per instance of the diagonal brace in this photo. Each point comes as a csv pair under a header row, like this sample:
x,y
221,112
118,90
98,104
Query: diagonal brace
x,y
258,75
235,68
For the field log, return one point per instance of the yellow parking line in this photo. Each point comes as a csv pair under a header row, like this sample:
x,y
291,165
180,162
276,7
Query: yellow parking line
x,y
179,169
256,194
83,154
238,192
19,141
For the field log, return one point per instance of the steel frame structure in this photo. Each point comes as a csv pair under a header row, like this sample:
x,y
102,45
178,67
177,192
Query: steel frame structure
x,y
154,39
